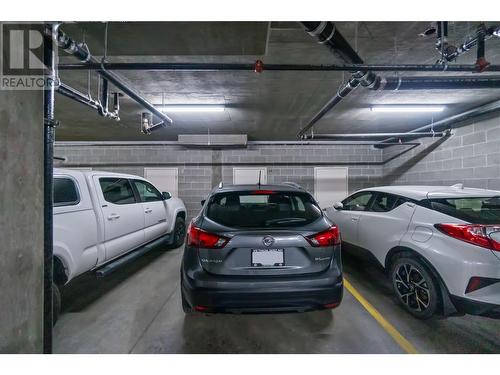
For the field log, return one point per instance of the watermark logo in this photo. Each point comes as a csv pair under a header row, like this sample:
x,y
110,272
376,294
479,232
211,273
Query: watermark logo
x,y
21,63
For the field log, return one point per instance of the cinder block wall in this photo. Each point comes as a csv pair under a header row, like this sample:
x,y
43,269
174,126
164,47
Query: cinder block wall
x,y
201,169
470,156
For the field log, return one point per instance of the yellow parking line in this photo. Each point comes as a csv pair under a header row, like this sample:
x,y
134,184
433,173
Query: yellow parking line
x,y
388,327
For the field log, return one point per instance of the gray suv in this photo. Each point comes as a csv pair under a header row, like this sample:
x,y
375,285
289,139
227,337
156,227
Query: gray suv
x,y
261,248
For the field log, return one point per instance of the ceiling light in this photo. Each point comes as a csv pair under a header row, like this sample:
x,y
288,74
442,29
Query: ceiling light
x,y
177,108
407,108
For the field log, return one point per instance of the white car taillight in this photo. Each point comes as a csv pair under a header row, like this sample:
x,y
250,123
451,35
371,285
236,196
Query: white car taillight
x,y
478,234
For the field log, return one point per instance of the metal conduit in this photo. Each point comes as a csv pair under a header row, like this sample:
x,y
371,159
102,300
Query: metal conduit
x,y
214,67
80,97
343,91
76,95
439,83
377,135
448,121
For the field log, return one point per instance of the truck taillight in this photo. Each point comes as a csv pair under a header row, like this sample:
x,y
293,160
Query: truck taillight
x,y
329,237
477,234
199,238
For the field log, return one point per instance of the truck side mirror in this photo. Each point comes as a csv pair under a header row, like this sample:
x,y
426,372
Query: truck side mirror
x,y
338,206
166,195
202,202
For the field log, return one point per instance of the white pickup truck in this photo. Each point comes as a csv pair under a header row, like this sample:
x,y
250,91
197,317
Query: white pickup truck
x,y
103,220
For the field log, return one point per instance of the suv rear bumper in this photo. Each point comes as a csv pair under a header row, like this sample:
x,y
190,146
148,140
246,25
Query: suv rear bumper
x,y
205,292
473,307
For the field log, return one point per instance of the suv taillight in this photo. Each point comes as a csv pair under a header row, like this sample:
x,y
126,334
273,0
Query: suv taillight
x,y
477,234
329,237
199,238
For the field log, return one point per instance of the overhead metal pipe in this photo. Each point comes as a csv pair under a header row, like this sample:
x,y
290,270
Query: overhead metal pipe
x,y
103,110
81,52
80,97
343,91
460,117
176,143
439,83
76,95
214,67
376,135
481,62
452,54
327,34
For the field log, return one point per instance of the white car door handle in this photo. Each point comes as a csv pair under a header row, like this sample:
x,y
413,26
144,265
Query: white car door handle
x,y
113,217
148,210
354,218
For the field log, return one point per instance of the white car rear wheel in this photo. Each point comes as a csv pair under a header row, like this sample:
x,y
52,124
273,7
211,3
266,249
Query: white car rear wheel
x,y
415,287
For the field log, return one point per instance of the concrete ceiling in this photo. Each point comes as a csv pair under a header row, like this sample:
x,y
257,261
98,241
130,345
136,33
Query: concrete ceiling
x,y
268,106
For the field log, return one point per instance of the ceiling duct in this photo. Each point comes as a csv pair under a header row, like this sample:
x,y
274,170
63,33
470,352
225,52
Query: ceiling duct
x,y
213,140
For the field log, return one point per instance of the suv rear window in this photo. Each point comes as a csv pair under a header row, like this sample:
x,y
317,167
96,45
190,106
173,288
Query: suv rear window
x,y
263,209
474,210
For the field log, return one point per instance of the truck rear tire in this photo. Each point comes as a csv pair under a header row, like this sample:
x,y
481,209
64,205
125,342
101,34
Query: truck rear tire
x,y
179,232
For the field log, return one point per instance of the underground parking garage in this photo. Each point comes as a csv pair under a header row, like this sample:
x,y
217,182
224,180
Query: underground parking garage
x,y
251,187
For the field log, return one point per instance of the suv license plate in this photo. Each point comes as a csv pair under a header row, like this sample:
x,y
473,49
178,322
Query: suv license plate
x,y
268,257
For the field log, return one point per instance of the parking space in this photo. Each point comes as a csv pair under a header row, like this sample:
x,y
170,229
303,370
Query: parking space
x,y
138,310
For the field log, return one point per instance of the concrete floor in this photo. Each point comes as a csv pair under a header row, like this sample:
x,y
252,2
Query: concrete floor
x,y
138,310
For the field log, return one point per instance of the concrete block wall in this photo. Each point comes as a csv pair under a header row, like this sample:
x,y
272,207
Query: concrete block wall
x,y
201,169
470,156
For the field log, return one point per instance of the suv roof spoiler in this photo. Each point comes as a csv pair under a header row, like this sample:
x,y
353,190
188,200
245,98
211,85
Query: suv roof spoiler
x,y
294,184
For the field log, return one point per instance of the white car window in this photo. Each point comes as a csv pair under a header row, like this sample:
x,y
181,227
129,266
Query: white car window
x,y
357,202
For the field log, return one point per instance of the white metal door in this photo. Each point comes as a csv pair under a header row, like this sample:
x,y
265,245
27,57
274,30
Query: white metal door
x,y
165,179
249,175
330,185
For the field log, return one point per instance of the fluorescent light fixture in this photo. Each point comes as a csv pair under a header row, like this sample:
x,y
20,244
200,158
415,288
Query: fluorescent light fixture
x,y
178,108
407,108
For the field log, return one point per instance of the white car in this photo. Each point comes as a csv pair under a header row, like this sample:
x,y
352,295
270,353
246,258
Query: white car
x,y
103,220
440,245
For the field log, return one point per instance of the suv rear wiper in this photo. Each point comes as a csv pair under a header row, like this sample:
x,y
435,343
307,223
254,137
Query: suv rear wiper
x,y
285,220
